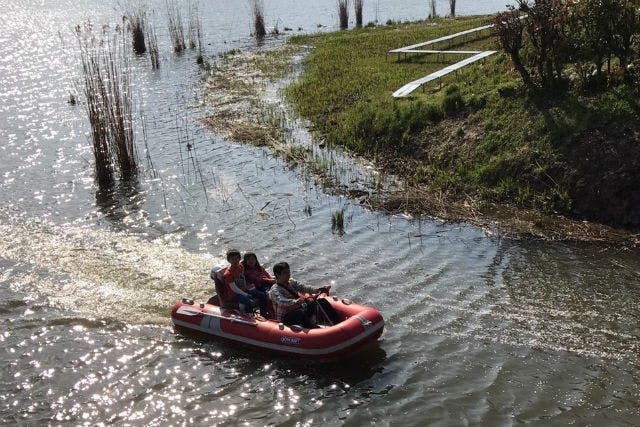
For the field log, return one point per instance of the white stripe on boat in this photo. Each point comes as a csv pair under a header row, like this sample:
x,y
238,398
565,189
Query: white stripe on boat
x,y
213,328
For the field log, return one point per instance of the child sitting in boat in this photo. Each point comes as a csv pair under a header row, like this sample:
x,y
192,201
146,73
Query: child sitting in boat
x,y
255,274
290,307
237,288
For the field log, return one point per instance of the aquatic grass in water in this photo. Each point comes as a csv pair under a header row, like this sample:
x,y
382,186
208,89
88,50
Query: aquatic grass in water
x,y
275,31
337,222
308,210
107,88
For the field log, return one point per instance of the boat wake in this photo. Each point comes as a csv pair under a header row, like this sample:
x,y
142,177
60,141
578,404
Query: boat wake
x,y
101,274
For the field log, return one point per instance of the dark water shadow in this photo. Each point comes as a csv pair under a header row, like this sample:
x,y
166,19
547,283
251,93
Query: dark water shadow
x,y
120,200
352,369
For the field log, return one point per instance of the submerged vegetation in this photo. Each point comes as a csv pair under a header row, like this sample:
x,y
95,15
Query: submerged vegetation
x,y
239,87
482,139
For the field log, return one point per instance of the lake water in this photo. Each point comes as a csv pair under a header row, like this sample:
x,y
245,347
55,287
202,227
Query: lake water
x,y
479,330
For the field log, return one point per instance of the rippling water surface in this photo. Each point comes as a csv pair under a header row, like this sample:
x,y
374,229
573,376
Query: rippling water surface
x,y
480,330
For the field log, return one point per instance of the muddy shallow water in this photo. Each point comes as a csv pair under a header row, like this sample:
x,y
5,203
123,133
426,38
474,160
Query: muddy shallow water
x,y
480,330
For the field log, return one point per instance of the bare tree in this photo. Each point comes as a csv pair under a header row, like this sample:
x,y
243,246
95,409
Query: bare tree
x,y
432,6
452,7
510,30
548,35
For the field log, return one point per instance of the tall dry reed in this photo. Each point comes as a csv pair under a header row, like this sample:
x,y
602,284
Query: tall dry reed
x,y
358,9
343,13
258,19
195,26
176,28
107,88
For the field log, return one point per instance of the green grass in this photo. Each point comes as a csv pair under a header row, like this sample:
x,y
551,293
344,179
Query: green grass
x,y
481,135
352,68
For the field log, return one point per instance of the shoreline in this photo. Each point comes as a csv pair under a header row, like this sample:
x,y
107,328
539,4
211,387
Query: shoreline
x,y
242,89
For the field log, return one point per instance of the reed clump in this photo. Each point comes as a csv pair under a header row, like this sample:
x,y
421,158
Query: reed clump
x,y
107,89
358,9
258,19
136,25
343,13
176,27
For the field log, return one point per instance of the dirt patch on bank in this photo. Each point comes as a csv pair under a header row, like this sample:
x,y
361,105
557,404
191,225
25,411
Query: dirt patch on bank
x,y
603,176
501,220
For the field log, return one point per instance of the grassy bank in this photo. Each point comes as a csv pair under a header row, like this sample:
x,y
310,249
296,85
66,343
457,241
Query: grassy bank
x,y
480,140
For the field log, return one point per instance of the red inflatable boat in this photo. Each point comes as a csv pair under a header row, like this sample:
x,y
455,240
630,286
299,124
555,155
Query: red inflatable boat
x,y
359,325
